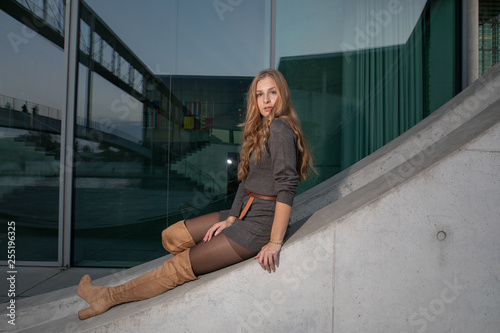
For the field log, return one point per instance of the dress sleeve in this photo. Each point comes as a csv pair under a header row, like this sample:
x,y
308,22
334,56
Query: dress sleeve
x,y
283,150
238,200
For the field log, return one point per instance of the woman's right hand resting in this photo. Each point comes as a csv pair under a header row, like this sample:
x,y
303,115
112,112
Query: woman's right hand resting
x,y
218,227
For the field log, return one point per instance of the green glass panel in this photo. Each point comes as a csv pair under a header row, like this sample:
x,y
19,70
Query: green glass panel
x,y
366,71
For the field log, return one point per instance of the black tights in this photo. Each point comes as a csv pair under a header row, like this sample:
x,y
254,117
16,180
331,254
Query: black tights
x,y
219,252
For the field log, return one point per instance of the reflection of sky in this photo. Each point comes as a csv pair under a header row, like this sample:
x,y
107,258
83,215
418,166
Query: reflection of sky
x,y
31,67
169,36
180,37
193,38
111,107
332,26
189,37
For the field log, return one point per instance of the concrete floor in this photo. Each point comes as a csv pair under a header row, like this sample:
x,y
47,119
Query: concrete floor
x,y
31,281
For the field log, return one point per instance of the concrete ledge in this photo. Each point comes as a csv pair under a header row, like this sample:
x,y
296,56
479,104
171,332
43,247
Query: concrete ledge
x,y
245,286
63,303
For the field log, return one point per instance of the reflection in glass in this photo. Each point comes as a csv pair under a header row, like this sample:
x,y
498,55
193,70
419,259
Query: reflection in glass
x,y
30,126
489,34
366,71
159,104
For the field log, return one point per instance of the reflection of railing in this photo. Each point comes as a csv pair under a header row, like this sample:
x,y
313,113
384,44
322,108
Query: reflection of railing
x,y
196,174
28,107
51,12
106,128
46,111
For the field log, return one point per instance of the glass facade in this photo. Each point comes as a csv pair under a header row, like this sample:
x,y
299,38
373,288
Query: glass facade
x,y
31,51
363,72
160,102
161,89
489,34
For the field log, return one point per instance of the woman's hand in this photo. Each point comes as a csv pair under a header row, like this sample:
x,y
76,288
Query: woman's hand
x,y
268,257
218,227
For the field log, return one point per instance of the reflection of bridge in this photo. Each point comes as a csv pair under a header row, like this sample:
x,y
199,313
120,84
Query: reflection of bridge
x,y
48,120
101,51
104,53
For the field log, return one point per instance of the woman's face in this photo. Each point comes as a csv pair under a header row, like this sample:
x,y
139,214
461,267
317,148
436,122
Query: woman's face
x,y
267,95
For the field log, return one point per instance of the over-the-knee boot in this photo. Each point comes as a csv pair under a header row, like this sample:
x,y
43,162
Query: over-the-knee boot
x,y
173,272
176,238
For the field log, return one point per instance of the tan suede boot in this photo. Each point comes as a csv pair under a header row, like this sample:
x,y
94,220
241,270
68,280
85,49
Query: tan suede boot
x,y
173,272
176,238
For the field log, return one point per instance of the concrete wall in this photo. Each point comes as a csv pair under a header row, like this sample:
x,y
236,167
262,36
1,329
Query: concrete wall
x,y
424,258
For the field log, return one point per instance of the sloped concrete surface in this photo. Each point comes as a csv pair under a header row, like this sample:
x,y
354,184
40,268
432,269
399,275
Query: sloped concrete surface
x,y
407,240
32,281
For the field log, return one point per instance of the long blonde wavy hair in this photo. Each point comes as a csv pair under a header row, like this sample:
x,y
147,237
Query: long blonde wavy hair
x,y
256,127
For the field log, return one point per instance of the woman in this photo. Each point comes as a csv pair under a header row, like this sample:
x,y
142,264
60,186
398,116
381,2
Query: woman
x,y
274,158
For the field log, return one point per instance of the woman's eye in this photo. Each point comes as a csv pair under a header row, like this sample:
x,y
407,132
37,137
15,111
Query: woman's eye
x,y
273,92
259,94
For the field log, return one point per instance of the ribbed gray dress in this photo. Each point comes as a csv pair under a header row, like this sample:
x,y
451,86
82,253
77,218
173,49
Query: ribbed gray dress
x,y
274,175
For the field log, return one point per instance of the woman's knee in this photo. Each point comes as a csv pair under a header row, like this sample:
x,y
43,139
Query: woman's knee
x,y
166,238
176,238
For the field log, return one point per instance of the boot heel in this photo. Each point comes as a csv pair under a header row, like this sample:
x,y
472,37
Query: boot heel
x,y
86,313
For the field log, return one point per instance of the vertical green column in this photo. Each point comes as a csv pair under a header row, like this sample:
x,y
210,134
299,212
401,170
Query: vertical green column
x,y
443,55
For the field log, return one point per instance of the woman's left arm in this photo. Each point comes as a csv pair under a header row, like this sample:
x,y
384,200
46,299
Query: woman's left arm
x,y
268,255
283,151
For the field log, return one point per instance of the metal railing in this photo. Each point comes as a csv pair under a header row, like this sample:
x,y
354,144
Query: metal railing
x,y
29,107
17,104
51,12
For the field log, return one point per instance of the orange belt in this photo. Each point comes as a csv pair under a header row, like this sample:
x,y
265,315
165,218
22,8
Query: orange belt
x,y
249,203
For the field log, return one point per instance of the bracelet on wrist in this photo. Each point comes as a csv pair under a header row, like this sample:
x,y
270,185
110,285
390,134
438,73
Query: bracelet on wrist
x,y
277,243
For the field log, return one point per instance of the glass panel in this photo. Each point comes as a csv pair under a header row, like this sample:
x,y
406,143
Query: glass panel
x,y
489,34
159,104
30,125
363,72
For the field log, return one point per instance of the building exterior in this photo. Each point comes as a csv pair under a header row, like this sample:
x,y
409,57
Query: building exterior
x,y
120,118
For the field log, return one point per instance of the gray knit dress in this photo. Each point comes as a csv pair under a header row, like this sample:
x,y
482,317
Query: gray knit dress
x,y
274,175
